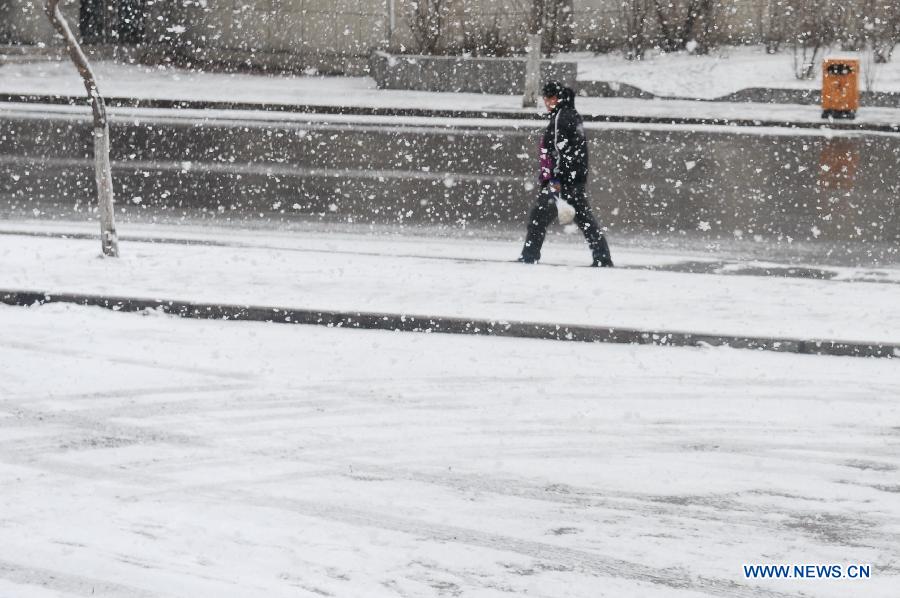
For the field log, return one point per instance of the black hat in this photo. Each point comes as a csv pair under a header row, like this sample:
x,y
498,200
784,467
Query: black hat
x,y
552,89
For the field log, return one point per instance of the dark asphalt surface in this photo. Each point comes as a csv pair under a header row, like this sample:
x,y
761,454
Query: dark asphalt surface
x,y
823,198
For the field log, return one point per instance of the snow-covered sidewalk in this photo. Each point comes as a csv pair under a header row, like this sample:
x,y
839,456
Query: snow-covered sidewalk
x,y
141,82
450,278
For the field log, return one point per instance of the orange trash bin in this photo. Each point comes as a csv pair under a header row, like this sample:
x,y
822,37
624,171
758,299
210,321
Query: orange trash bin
x,y
840,88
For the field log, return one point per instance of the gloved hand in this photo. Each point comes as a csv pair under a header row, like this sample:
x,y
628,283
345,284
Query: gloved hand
x,y
553,185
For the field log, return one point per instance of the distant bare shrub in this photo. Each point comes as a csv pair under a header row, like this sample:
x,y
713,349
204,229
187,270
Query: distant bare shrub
x,y
553,19
558,17
636,22
812,25
869,71
774,32
427,23
489,40
881,28
681,22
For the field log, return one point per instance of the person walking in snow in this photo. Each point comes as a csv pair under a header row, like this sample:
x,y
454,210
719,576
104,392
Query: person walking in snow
x,y
563,173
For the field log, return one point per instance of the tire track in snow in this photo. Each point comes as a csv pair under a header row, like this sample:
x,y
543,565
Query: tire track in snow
x,y
122,393
706,509
592,563
699,508
702,509
60,581
86,429
67,352
110,436
595,564
585,560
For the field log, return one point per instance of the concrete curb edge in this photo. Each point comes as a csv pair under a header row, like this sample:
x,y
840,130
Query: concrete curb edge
x,y
451,325
524,115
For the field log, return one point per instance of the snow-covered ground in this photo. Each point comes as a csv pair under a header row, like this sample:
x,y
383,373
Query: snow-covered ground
x,y
460,278
153,456
135,81
143,455
723,71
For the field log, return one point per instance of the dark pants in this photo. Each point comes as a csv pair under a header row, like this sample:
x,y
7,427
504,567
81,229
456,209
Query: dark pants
x,y
543,213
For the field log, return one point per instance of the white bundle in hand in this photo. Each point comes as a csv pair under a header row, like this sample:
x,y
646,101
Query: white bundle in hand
x,y
564,211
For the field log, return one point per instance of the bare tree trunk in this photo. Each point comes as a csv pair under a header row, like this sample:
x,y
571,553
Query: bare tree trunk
x,y
775,27
565,33
665,29
109,240
687,27
869,72
428,21
705,17
634,15
532,71
533,62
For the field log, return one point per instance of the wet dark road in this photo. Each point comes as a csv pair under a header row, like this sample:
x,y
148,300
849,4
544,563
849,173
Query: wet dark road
x,y
762,193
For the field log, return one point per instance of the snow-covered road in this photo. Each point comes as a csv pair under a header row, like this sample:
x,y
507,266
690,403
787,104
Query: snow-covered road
x,y
154,456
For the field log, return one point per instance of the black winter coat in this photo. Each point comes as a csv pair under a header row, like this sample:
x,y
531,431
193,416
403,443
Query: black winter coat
x,y
565,139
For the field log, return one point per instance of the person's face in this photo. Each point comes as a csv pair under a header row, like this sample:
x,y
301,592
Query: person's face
x,y
551,102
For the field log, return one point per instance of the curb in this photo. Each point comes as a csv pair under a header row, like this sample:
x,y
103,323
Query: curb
x,y
448,325
120,102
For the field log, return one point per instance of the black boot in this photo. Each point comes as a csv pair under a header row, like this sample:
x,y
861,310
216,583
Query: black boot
x,y
602,257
